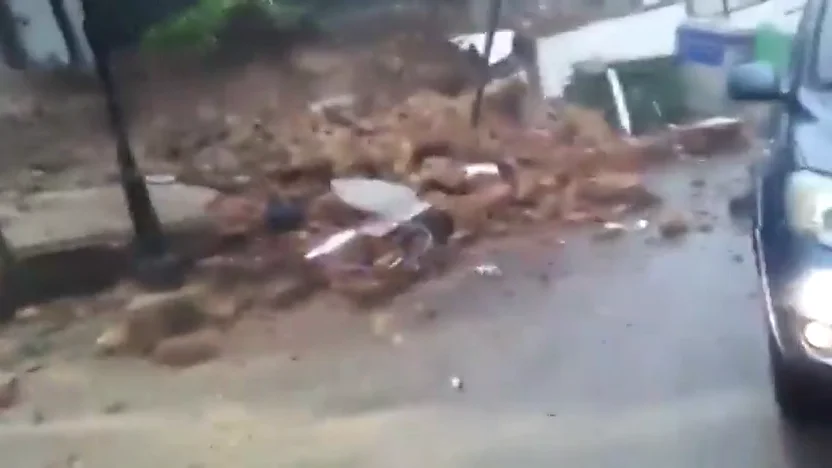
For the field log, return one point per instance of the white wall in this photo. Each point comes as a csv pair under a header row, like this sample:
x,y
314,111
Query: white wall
x,y
715,7
638,36
39,32
41,36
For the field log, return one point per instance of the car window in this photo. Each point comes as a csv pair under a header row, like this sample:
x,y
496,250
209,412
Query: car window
x,y
798,45
823,54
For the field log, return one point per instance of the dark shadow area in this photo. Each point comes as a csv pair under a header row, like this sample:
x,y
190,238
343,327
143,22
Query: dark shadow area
x,y
807,447
73,273
89,271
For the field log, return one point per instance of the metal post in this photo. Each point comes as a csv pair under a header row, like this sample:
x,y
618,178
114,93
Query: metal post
x,y
11,47
73,46
493,21
156,265
10,281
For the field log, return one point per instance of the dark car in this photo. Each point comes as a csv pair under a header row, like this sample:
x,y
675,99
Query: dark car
x,y
792,213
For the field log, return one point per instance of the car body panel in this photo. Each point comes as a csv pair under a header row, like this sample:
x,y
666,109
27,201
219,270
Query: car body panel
x,y
800,138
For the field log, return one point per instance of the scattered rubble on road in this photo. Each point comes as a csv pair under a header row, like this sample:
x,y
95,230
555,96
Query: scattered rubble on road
x,y
674,226
493,180
283,199
177,329
188,349
712,136
490,181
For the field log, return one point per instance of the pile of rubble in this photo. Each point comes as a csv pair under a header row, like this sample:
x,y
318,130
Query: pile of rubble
x,y
301,236
490,180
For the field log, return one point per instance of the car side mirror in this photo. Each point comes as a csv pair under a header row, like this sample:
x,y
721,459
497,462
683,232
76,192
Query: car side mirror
x,y
755,81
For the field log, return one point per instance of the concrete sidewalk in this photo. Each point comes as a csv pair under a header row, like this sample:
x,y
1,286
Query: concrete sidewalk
x,y
50,222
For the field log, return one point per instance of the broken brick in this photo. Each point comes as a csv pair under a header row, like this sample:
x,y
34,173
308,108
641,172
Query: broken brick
x,y
189,349
617,188
236,215
674,226
152,318
442,173
711,136
527,186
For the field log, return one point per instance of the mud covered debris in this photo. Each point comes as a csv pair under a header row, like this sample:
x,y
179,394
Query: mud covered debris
x,y
152,318
711,136
498,179
179,328
188,349
674,226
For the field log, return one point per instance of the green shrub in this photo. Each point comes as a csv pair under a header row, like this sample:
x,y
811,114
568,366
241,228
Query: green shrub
x,y
199,26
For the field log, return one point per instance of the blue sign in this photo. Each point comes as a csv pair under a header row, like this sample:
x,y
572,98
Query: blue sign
x,y
706,47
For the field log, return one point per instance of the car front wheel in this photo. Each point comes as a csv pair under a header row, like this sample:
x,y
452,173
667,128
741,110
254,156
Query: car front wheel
x,y
798,396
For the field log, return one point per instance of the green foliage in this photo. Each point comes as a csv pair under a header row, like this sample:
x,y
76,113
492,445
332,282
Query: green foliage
x,y
198,27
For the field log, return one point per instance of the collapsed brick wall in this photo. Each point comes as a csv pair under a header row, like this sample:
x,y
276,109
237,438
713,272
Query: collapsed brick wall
x,y
56,119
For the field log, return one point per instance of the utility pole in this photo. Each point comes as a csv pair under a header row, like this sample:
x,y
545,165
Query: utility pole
x,y
156,266
493,22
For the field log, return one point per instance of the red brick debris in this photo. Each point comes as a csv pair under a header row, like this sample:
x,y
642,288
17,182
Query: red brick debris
x,y
497,179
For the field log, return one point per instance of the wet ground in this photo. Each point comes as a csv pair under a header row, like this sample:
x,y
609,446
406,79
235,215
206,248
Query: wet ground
x,y
636,352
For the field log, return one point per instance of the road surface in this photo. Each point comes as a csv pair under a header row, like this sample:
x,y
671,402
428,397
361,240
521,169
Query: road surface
x,y
627,353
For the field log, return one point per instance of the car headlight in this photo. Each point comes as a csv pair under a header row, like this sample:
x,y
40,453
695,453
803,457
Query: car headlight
x,y
818,335
813,303
813,296
809,205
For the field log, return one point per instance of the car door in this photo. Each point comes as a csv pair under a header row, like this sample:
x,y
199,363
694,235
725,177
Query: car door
x,y
769,223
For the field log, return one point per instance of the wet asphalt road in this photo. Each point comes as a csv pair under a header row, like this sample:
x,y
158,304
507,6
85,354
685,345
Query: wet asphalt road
x,y
632,353
637,354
